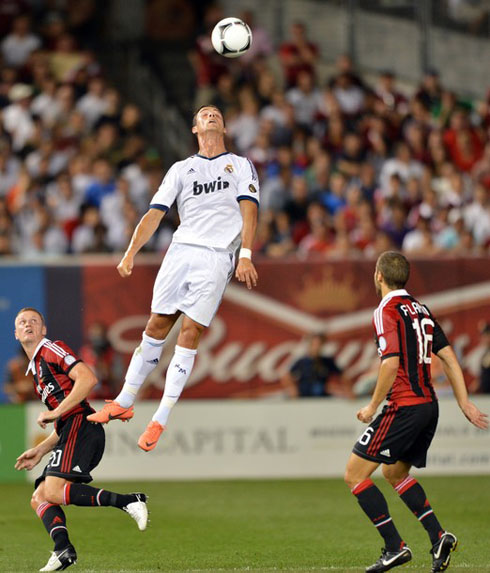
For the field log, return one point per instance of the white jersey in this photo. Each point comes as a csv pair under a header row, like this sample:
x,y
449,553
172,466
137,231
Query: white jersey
x,y
208,192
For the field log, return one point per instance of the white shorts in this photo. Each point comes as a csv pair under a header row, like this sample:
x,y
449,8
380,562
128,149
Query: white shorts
x,y
192,279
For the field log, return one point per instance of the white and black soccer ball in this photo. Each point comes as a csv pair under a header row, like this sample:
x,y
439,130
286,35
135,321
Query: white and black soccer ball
x,y
231,37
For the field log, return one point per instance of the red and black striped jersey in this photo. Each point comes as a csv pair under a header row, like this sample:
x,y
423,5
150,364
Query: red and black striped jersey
x,y
51,365
406,328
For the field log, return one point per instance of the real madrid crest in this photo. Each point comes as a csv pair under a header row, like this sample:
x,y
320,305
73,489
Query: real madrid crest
x,y
229,168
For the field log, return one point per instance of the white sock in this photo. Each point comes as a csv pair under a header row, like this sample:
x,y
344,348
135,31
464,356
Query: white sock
x,y
178,373
144,360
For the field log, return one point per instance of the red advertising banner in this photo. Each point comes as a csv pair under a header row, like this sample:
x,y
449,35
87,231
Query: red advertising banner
x,y
257,334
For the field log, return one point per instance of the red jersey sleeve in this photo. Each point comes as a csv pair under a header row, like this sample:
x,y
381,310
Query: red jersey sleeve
x,y
386,327
62,355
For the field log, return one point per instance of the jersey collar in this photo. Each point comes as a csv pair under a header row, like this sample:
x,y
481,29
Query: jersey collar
x,y
211,158
31,367
392,293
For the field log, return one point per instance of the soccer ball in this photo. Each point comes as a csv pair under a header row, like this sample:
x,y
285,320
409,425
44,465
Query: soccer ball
x,y
231,37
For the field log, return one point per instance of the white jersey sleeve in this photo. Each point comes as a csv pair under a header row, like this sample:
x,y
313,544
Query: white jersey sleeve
x,y
169,189
248,185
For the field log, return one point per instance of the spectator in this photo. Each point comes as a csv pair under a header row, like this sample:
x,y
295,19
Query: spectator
x,y
103,184
483,383
311,375
86,236
17,118
352,156
463,142
402,164
19,386
244,127
319,238
334,198
477,216
17,46
99,355
208,65
261,45
430,90
298,54
93,104
385,90
349,96
305,98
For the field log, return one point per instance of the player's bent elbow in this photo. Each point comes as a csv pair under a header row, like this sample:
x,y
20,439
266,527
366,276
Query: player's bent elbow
x,y
446,354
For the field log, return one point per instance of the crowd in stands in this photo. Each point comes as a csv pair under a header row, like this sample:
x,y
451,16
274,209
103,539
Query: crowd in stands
x,y
351,167
346,167
76,172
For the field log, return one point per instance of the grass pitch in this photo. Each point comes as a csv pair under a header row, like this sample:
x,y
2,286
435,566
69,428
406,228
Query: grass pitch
x,y
254,526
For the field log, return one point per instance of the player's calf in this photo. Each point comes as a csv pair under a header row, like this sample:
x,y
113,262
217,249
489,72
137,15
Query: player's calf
x,y
87,496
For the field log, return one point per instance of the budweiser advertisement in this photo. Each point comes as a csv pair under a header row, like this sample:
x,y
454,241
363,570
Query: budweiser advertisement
x,y
257,334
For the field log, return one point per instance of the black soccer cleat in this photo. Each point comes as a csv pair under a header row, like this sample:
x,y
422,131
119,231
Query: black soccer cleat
x,y
62,559
441,551
390,559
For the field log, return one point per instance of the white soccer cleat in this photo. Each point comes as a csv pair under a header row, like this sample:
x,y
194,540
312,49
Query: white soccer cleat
x,y
60,560
138,510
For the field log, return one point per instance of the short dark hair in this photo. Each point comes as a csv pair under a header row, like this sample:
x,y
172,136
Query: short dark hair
x,y
194,117
320,335
395,269
32,309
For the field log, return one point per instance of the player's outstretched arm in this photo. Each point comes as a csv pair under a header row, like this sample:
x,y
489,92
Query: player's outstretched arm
x,y
455,376
386,376
30,458
144,231
245,271
85,381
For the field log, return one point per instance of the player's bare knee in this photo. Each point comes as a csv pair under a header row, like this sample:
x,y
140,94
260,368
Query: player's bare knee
x,y
38,497
393,474
35,501
189,335
53,492
154,330
351,479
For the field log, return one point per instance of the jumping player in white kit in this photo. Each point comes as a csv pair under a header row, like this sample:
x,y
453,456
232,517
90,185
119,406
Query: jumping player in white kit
x,y
217,195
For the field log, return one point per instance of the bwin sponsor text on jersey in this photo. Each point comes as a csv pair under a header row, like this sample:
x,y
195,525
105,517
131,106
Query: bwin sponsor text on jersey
x,y
218,185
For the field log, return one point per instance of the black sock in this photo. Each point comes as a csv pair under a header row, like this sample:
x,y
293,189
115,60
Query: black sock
x,y
375,507
413,494
86,495
54,520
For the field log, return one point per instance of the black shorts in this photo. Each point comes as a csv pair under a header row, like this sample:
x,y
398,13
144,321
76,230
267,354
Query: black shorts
x,y
400,433
78,451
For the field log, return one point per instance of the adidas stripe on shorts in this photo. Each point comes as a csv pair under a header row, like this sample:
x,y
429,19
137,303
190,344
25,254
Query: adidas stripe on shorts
x,y
400,433
78,451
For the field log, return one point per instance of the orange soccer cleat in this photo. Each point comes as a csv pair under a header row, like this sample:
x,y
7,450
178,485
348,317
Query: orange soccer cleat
x,y
149,438
112,411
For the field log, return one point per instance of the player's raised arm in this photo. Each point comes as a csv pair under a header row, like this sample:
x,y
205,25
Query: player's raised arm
x,y
85,381
144,231
455,376
245,271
